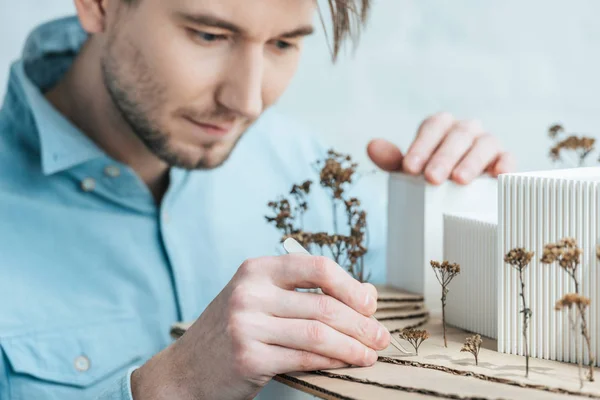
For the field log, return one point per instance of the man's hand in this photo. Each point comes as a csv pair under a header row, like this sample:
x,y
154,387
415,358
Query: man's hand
x,y
445,148
259,326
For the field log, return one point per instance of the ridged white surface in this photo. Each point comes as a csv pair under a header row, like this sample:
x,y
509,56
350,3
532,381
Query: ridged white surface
x,y
415,227
471,241
537,209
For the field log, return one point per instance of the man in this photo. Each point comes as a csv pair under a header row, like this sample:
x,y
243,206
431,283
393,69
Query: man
x,y
116,221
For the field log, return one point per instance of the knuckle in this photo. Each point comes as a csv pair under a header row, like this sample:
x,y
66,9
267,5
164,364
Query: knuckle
x,y
362,328
488,140
325,308
248,267
305,360
315,332
470,125
236,327
321,268
442,116
241,297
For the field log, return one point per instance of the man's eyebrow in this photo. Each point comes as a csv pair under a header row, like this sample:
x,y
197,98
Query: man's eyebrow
x,y
209,20
302,31
216,22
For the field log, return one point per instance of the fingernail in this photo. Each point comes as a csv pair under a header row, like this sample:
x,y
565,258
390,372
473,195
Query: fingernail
x,y
379,333
368,300
413,162
437,173
463,175
369,355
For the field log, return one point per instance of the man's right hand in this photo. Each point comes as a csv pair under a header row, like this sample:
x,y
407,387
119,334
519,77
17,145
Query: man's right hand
x,y
260,326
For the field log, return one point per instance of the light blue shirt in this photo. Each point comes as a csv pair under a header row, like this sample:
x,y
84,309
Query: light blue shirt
x,y
92,272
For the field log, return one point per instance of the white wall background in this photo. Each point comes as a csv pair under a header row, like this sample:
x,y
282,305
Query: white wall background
x,y
517,65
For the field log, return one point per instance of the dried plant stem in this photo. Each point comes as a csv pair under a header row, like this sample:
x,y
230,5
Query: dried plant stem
x,y
444,273
444,293
585,333
525,321
573,323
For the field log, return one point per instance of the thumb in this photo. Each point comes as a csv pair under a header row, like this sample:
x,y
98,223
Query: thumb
x,y
385,155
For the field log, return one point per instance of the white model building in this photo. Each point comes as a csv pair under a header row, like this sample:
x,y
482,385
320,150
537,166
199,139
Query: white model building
x,y
415,227
471,240
536,209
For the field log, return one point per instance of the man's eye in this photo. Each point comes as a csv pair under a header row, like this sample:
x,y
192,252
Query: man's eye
x,y
281,45
209,37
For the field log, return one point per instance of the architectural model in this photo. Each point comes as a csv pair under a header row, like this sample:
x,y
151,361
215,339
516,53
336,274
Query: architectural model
x,y
471,240
534,210
415,227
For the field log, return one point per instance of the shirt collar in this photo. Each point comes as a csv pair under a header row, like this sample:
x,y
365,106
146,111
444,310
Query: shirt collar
x,y
48,53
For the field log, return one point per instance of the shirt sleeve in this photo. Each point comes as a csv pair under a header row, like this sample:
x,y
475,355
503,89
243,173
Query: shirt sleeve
x,y
121,390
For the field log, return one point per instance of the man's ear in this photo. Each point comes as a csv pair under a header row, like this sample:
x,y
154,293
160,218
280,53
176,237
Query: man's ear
x,y
92,14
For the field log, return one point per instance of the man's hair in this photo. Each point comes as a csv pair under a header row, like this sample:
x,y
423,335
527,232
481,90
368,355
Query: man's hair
x,y
347,17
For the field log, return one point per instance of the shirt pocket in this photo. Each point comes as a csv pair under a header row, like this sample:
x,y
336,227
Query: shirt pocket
x,y
71,363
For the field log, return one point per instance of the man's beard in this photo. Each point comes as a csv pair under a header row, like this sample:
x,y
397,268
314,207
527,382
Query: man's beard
x,y
127,100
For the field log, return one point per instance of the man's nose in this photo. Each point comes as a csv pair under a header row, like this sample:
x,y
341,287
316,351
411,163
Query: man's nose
x,y
241,90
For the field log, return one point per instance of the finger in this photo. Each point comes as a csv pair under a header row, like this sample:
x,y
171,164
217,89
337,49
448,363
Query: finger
x,y
385,155
429,136
485,150
292,360
332,312
372,290
504,164
319,338
298,270
456,144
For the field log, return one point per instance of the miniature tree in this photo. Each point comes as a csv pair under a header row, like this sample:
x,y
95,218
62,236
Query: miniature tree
x,y
580,304
567,253
445,272
518,259
472,345
582,146
415,337
337,173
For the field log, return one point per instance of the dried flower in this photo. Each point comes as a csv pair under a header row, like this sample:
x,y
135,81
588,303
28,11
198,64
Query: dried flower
x,y
445,272
567,253
572,299
519,259
337,172
582,146
415,337
472,345
580,304
555,130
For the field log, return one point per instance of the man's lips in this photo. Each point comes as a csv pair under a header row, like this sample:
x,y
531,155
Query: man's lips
x,y
221,129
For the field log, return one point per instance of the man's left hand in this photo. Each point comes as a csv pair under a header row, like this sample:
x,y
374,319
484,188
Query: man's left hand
x,y
445,148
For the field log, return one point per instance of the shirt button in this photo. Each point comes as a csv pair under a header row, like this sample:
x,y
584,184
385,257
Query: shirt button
x,y
88,184
112,171
82,363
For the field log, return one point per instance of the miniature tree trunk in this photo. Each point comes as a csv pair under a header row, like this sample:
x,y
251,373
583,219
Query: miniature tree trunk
x,y
526,314
445,272
518,259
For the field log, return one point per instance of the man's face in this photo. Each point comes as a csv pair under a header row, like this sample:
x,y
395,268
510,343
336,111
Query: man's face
x,y
190,76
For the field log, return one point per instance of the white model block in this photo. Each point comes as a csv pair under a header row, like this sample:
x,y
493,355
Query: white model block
x,y
536,209
471,240
415,227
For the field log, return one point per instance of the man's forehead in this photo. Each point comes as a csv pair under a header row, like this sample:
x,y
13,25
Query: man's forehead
x,y
256,17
